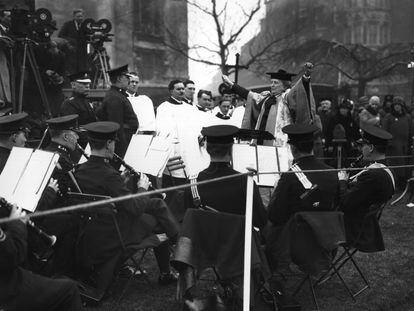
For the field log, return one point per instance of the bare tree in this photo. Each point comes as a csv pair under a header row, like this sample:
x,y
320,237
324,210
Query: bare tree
x,y
354,61
225,36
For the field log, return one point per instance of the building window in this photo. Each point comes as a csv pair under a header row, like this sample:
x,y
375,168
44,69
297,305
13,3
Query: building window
x,y
151,63
373,34
149,16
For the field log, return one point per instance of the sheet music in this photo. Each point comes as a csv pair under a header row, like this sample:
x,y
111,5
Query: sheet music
x,y
13,170
268,162
27,188
144,109
264,160
148,154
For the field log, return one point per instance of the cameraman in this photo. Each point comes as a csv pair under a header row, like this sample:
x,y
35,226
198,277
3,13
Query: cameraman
x,y
77,56
20,289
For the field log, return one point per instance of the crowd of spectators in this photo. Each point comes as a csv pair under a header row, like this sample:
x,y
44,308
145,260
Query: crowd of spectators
x,y
342,123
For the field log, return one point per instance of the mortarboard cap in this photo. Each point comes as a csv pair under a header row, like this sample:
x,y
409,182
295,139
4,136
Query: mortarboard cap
x,y
298,133
118,71
281,75
375,135
103,130
81,77
13,123
69,122
220,134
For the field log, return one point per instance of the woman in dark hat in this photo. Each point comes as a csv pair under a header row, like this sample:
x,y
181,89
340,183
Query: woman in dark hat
x,y
398,123
342,126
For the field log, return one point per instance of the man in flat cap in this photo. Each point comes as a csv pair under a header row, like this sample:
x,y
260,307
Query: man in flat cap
x,y
282,106
64,137
299,191
79,103
227,196
286,199
373,185
117,108
137,217
13,133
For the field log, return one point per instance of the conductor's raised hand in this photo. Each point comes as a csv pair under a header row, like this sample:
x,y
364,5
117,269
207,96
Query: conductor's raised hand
x,y
143,182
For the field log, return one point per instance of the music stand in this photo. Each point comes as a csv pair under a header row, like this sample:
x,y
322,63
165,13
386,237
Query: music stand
x,y
258,135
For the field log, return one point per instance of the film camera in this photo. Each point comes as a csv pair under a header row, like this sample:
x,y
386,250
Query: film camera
x,y
97,32
36,25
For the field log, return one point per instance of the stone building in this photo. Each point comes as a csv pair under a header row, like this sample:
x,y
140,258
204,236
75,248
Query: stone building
x,y
142,31
372,23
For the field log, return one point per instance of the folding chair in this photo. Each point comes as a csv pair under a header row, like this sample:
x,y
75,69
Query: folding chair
x,y
314,237
350,248
107,213
212,240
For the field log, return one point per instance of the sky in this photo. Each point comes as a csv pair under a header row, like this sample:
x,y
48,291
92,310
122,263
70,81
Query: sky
x,y
202,31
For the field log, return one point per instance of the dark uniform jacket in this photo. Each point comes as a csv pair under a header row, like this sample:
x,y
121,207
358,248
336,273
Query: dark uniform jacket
x,y
80,105
117,108
229,195
4,155
66,164
286,201
357,197
77,56
98,177
12,254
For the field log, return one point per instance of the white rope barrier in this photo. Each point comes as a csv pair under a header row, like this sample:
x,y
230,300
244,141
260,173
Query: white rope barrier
x,y
82,206
137,195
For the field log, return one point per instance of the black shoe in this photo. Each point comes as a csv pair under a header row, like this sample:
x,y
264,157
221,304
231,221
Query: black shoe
x,y
167,278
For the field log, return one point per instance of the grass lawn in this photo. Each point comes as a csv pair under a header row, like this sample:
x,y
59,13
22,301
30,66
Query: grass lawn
x,y
390,273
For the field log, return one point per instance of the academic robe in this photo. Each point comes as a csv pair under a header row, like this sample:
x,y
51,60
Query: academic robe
x,y
181,123
265,112
272,113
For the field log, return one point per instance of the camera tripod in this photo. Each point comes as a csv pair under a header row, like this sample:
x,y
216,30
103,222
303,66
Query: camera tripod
x,y
28,55
100,61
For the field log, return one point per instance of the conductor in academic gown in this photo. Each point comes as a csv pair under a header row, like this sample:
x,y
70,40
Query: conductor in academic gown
x,y
282,106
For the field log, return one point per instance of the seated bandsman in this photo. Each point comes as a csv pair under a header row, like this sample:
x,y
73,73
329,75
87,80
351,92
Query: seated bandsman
x,y
64,139
137,218
21,289
227,195
299,191
371,186
13,133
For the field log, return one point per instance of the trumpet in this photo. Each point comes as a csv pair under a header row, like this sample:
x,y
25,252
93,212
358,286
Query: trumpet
x,y
49,240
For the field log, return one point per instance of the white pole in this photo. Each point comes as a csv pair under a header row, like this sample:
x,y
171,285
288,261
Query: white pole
x,y
248,243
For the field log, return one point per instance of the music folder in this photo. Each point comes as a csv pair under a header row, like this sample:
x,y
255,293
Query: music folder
x,y
148,154
264,159
25,176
